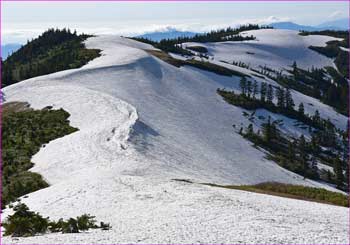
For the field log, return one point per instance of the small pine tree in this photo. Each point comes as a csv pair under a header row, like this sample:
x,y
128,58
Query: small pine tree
x,y
263,90
289,100
24,222
255,89
315,145
295,68
71,226
291,152
313,163
280,97
301,109
85,222
267,130
269,94
243,85
249,88
303,154
338,170
316,118
250,130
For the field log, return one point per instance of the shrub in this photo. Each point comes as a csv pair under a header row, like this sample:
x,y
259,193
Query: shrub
x,y
105,226
24,222
71,226
27,223
24,132
86,221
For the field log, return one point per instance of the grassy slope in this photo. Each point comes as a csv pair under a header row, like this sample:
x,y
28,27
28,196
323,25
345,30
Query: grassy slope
x,y
293,191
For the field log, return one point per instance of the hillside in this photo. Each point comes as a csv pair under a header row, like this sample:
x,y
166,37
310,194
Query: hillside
x,y
274,52
54,50
144,123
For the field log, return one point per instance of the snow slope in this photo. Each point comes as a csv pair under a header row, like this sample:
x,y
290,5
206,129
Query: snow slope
x,y
275,49
142,123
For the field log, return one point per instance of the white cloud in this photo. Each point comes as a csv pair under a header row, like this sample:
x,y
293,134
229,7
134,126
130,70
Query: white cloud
x,y
21,32
336,14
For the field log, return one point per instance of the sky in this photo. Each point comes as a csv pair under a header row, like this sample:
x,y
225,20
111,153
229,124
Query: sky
x,y
21,21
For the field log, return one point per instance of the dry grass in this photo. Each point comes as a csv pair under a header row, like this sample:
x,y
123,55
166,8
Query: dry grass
x,y
15,106
166,57
203,65
293,191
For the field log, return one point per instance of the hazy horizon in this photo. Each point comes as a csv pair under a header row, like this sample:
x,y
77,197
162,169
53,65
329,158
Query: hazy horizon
x,y
24,20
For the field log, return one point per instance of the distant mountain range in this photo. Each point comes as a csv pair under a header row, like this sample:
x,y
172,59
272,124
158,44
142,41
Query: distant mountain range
x,y
7,49
169,33
340,24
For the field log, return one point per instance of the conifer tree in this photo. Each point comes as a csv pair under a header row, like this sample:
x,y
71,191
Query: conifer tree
x,y
255,88
249,88
266,130
291,152
316,118
263,90
243,85
269,131
339,176
250,130
280,97
301,109
289,100
295,68
313,163
269,94
315,145
303,154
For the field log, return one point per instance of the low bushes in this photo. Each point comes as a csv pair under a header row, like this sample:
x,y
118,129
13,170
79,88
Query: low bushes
x,y
199,49
28,223
24,131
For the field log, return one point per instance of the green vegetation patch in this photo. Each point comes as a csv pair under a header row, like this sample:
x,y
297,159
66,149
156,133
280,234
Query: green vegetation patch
x,y
54,50
333,48
28,223
24,132
293,191
325,84
328,145
220,70
227,34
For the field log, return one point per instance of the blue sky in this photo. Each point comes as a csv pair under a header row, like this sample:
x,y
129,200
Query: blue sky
x,y
24,20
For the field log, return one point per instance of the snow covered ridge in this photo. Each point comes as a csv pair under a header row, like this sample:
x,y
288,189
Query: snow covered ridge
x,y
275,49
119,166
